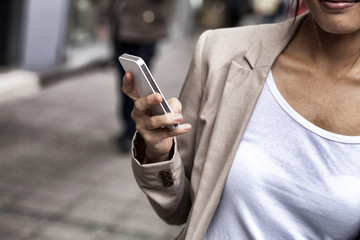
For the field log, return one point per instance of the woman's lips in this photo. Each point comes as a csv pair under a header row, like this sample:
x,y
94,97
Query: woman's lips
x,y
337,5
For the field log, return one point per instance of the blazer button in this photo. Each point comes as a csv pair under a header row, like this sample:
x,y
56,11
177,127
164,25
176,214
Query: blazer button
x,y
168,183
165,173
166,177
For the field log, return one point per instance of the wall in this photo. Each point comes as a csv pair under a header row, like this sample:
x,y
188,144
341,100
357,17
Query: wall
x,y
43,33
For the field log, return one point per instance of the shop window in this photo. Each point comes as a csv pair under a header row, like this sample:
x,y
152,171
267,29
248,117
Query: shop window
x,y
83,20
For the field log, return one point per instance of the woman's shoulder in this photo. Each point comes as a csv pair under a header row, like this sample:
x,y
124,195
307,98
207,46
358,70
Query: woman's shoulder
x,y
249,32
226,44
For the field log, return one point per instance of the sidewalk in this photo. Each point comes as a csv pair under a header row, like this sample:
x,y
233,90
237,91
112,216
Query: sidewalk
x,y
60,176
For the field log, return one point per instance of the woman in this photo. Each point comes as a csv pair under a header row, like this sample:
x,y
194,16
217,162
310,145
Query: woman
x,y
272,143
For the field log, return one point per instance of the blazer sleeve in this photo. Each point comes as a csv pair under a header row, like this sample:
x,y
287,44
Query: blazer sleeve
x,y
167,184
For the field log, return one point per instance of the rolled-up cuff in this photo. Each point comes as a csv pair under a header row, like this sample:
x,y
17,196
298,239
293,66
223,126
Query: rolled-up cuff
x,y
160,174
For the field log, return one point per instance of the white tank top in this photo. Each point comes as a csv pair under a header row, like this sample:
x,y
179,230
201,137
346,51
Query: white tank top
x,y
290,179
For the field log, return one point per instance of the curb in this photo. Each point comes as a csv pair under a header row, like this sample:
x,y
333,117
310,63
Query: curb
x,y
18,83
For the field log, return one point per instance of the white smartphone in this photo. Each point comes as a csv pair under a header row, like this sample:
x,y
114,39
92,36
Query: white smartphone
x,y
145,83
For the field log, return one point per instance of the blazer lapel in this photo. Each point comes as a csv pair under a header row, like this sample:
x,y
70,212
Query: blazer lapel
x,y
242,89
229,126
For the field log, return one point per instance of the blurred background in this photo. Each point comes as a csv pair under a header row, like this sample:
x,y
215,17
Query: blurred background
x,y
61,176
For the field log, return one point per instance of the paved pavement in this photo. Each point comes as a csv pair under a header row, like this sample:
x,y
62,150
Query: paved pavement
x,y
61,178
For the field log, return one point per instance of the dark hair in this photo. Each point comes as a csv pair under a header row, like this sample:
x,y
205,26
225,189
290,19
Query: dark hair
x,y
292,9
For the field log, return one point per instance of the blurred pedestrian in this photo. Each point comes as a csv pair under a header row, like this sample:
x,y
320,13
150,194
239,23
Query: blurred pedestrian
x,y
236,9
136,26
269,10
270,147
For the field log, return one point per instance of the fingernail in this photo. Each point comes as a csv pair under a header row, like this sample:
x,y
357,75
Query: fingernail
x,y
178,118
156,98
187,127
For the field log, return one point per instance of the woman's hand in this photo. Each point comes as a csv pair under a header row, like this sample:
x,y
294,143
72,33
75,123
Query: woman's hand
x,y
157,137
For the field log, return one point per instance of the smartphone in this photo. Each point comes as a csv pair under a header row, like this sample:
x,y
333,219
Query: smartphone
x,y
145,83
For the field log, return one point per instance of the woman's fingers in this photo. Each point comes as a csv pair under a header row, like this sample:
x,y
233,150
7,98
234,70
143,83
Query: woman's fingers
x,y
155,125
175,105
159,121
142,105
128,86
157,135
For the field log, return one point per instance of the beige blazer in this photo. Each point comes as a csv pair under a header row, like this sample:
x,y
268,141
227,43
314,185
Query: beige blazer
x,y
225,79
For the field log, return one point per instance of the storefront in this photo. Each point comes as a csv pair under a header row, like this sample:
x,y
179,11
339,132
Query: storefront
x,y
41,34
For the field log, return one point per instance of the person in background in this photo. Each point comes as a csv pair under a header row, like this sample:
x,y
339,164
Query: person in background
x,y
268,145
136,26
270,10
235,12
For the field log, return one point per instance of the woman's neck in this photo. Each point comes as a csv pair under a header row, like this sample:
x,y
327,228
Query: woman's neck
x,y
337,53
